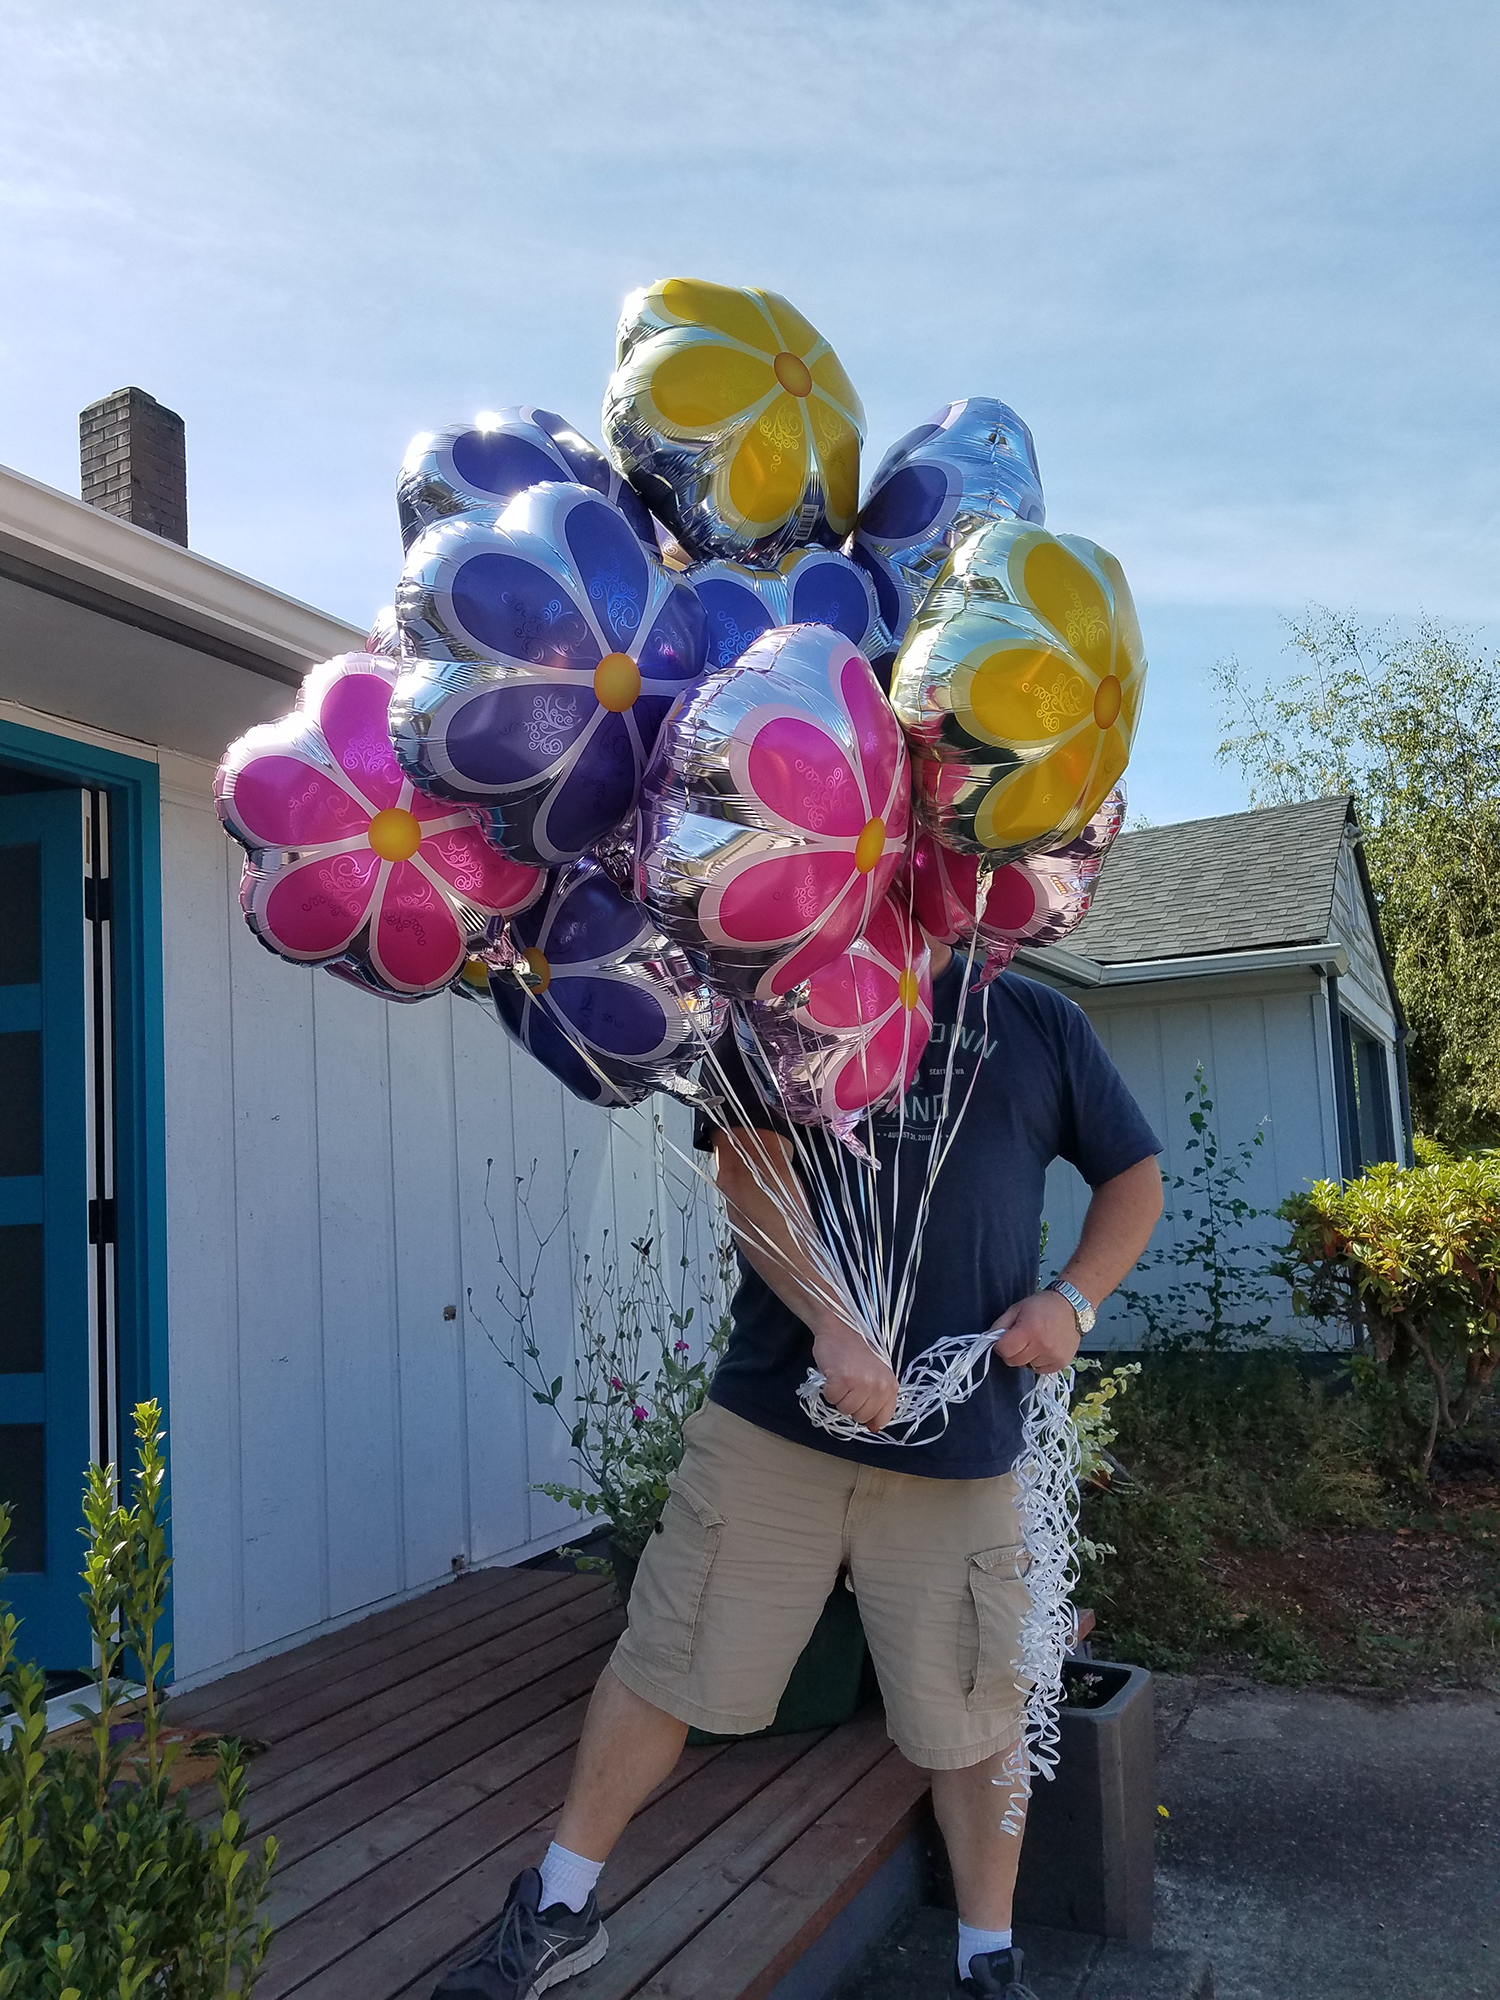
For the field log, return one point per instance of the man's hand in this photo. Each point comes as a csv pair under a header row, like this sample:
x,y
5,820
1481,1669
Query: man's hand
x,y
1039,1333
857,1381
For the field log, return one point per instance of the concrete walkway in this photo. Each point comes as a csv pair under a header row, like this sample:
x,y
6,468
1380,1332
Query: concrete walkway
x,y
1319,1846
1331,1846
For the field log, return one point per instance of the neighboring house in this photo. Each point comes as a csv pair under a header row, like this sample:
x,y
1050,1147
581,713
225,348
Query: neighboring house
x,y
1249,944
236,1185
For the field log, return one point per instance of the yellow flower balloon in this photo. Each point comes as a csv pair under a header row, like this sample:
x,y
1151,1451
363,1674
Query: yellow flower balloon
x,y
1019,685
733,417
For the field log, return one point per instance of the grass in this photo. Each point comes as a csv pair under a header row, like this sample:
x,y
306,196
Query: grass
x,y
1256,1527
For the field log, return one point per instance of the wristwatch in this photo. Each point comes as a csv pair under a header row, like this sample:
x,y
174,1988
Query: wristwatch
x,y
1083,1312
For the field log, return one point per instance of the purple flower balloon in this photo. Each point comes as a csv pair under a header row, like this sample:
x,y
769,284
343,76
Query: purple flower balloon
x,y
589,986
808,587
502,453
971,462
545,645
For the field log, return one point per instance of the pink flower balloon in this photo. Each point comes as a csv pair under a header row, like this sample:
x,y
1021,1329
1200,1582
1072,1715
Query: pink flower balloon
x,y
347,862
774,813
856,1040
1036,901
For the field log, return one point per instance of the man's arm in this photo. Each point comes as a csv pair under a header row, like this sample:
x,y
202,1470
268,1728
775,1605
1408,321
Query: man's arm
x,y
1040,1332
858,1381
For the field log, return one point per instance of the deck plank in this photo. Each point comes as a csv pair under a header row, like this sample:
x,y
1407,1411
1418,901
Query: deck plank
x,y
450,1771
757,1938
373,1735
315,1697
646,1932
464,1597
402,1921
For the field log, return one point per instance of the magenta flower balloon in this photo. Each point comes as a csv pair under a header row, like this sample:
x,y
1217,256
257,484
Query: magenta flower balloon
x,y
855,1041
1036,901
774,812
347,863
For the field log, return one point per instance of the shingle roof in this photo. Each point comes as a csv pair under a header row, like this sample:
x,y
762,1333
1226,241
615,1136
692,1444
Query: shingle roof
x,y
1236,883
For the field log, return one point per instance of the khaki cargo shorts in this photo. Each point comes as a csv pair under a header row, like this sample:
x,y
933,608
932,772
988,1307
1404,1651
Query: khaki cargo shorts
x,y
753,1537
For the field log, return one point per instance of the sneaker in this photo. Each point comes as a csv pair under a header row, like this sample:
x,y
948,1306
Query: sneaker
x,y
995,1975
530,1949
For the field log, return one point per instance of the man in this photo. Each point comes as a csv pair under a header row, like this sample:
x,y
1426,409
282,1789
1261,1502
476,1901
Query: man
x,y
767,1509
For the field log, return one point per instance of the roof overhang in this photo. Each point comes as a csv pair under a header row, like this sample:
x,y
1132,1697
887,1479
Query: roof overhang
x,y
1072,968
58,545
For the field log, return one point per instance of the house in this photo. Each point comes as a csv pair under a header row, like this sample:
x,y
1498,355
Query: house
x,y
244,1188
1249,944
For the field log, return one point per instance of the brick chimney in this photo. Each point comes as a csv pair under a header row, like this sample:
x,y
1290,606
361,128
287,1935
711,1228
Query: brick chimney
x,y
133,454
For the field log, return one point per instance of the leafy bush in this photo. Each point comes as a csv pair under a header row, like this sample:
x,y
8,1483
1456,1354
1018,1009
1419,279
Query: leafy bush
x,y
637,1378
1409,1259
107,1887
1215,1300
1238,1451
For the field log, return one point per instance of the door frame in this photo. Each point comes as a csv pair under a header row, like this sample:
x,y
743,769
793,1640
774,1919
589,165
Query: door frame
x,y
133,787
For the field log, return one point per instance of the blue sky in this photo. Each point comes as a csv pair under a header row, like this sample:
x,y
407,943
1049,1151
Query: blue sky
x,y
1235,264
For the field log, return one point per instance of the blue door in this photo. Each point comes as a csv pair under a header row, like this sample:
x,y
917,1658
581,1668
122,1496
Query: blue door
x,y
46,1330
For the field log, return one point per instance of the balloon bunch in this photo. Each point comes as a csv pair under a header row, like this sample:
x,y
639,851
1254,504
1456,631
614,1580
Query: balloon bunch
x,y
654,741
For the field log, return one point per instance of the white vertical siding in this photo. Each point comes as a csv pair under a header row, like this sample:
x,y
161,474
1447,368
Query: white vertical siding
x,y
1266,1067
338,1174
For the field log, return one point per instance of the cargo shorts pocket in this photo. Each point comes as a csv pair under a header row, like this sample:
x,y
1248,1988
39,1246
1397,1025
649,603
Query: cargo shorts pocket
x,y
989,1636
667,1598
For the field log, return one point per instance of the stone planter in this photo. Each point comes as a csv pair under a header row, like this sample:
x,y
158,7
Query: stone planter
x,y
1088,1859
833,1678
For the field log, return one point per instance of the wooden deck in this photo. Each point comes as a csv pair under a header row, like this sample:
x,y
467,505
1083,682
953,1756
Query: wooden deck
x,y
417,1760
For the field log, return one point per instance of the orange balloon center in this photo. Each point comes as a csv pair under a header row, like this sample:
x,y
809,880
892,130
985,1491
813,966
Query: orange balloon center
x,y
395,834
908,989
870,845
1107,702
475,972
617,682
793,374
536,973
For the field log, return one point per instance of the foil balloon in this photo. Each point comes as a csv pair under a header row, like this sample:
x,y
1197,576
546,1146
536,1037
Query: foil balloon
x,y
1019,685
774,812
1038,900
853,1040
970,463
544,645
487,463
734,419
588,985
384,636
348,865
808,587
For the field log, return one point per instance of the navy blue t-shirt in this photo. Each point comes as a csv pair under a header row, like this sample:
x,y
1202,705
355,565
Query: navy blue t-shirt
x,y
1045,1089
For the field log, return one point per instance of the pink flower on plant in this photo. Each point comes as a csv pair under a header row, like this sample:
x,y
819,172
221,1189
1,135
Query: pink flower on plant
x,y
681,1347
615,1382
822,767
640,1413
348,864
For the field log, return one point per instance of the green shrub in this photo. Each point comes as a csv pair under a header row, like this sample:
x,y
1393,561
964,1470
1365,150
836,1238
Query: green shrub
x,y
1233,1451
1409,1259
108,1889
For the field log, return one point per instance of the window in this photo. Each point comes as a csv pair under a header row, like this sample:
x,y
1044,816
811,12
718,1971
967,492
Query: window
x,y
1372,1127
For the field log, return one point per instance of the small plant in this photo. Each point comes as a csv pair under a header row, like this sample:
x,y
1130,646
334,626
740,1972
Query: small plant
x,y
1218,1301
648,1337
1407,1258
107,1886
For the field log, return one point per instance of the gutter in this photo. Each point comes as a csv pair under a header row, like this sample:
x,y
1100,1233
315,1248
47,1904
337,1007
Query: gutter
x,y
60,546
1079,970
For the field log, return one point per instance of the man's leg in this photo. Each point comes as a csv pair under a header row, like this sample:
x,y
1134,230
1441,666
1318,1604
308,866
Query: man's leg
x,y
628,1748
970,1805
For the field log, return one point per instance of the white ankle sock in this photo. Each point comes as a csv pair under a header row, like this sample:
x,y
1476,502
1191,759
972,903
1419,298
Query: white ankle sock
x,y
974,1944
568,1878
